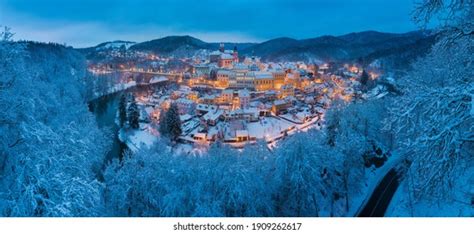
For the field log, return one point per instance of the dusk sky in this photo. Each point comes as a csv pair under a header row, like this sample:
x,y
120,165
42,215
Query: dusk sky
x,y
83,23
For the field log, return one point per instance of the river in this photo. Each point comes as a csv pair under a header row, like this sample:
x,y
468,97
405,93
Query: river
x,y
105,110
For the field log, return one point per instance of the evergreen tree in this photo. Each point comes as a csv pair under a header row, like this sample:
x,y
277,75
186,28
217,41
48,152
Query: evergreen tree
x,y
362,62
173,122
364,78
133,115
163,127
122,110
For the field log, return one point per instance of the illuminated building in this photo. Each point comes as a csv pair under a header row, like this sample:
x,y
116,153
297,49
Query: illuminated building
x,y
223,78
278,79
263,81
287,90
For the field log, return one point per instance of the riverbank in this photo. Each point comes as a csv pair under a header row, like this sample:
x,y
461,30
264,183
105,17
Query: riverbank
x,y
105,109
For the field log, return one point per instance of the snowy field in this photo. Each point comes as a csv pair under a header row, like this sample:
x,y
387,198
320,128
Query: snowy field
x,y
268,128
136,139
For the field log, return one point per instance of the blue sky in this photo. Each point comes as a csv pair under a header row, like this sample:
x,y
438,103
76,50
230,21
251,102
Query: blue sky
x,y
88,22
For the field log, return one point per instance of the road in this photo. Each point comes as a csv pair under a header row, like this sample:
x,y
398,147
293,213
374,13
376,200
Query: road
x,y
381,197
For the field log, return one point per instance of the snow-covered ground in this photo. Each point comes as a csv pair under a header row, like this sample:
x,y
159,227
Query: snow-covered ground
x,y
268,128
136,139
457,206
157,79
116,88
378,92
190,149
120,87
116,45
146,136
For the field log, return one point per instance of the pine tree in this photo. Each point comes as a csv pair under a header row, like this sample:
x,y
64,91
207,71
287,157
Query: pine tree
x,y
173,122
364,78
122,110
133,115
163,127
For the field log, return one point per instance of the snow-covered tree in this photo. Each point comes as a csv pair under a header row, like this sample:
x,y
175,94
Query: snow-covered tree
x,y
303,177
364,78
163,128
354,133
349,146
244,185
157,183
173,122
453,15
299,173
170,123
122,110
137,185
434,118
133,114
51,148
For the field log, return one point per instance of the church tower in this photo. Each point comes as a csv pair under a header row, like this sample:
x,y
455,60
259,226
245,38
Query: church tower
x,y
235,54
221,48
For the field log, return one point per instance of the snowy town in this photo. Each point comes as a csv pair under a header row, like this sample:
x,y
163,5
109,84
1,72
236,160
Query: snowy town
x,y
229,99
250,109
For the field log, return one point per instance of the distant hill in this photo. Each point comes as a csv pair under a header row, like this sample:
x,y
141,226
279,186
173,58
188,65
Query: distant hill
x,y
346,47
93,52
270,46
170,44
167,45
368,45
230,45
400,57
114,45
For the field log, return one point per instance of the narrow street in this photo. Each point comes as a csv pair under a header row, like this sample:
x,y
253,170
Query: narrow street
x,y
381,197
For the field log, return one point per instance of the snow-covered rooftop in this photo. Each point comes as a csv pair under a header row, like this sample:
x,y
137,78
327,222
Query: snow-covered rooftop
x,y
204,107
227,56
279,102
185,117
213,115
216,52
244,93
241,133
263,75
224,72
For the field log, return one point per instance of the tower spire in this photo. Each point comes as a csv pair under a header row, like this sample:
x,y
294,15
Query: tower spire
x,y
235,55
221,47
